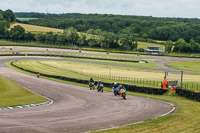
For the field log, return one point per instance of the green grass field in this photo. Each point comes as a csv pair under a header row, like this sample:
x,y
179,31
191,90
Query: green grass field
x,y
184,55
84,71
149,64
145,44
26,19
186,65
12,94
107,73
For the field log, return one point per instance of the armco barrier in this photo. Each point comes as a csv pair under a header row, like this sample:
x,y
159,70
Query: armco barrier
x,y
133,88
188,94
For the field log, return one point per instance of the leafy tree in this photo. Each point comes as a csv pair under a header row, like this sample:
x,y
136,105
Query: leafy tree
x,y
168,46
1,15
61,39
182,46
179,45
71,34
17,32
3,28
124,41
9,15
106,39
50,37
40,37
194,46
145,36
82,40
29,36
93,42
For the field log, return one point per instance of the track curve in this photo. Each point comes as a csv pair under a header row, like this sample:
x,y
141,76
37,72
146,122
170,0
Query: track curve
x,y
75,109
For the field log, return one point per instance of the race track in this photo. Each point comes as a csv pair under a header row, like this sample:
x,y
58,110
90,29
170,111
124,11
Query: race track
x,y
74,108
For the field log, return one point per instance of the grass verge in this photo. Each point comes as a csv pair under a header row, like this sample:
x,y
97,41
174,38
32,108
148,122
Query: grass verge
x,y
12,94
186,65
81,70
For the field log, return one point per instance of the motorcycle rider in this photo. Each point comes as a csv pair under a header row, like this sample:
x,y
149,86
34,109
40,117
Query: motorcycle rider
x,y
115,85
98,84
38,75
120,86
122,89
115,89
91,82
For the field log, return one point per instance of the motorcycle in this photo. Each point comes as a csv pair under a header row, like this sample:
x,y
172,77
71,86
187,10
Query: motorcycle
x,y
123,93
116,91
91,85
38,75
100,88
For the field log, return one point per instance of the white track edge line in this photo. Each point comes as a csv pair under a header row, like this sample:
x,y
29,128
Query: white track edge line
x,y
171,104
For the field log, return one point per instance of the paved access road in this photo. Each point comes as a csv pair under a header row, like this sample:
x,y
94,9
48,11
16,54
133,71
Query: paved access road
x,y
74,108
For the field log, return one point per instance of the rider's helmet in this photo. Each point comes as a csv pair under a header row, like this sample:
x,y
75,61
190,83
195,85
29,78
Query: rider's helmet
x,y
115,83
120,86
99,81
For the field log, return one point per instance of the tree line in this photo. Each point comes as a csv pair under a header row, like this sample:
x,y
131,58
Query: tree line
x,y
97,36
71,36
154,28
98,39
6,17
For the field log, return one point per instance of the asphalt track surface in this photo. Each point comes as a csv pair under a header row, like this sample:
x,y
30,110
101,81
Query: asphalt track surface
x,y
160,61
74,108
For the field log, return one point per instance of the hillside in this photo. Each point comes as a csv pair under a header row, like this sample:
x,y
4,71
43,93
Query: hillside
x,y
33,28
155,28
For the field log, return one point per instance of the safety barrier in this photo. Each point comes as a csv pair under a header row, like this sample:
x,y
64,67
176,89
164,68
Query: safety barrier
x,y
188,94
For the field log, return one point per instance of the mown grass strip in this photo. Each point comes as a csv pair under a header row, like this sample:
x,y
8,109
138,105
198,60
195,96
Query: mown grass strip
x,y
12,94
59,68
186,65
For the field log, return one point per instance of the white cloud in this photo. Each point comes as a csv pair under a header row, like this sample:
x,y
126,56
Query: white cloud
x,y
158,8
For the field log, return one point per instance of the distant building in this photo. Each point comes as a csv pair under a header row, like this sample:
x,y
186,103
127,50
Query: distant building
x,y
154,50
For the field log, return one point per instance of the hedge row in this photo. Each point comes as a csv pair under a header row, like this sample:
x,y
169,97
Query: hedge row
x,y
188,94
133,88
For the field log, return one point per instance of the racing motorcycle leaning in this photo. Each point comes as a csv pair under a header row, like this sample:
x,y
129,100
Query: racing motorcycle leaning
x,y
91,85
123,93
100,88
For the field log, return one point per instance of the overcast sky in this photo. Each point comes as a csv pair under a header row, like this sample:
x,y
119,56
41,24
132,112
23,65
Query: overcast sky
x,y
156,8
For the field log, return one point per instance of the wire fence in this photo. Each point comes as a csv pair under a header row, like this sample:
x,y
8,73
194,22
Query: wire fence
x,y
138,81
191,86
146,82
